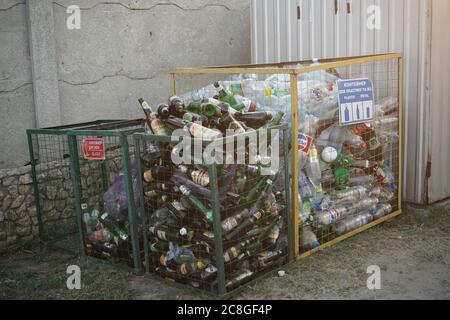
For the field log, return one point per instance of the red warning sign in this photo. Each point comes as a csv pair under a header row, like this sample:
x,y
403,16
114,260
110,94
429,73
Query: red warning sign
x,y
94,149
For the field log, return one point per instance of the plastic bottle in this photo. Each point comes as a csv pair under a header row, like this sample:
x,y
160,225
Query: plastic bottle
x,y
358,192
177,256
366,203
337,138
381,210
382,194
329,216
313,169
352,223
305,187
361,180
308,240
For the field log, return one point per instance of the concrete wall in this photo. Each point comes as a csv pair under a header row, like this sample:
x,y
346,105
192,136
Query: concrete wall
x,y
16,89
123,51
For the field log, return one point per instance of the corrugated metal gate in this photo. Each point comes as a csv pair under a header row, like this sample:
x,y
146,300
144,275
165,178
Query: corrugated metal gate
x,y
286,30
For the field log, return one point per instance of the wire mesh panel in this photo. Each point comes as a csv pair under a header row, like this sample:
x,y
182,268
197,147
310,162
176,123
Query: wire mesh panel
x,y
104,174
217,217
348,152
345,174
54,198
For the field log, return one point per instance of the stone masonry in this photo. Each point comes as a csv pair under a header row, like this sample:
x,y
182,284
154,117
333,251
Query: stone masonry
x,y
18,212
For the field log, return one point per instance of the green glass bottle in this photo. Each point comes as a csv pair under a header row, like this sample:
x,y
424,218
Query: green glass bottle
x,y
204,108
225,95
207,213
160,246
109,224
278,118
194,117
166,234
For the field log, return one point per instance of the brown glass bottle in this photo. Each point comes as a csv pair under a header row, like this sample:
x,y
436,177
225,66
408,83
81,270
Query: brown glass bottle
x,y
254,120
176,106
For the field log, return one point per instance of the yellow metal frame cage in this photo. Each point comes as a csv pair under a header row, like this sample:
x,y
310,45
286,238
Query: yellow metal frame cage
x,y
293,72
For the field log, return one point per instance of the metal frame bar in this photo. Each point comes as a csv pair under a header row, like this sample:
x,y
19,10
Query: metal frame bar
x,y
137,156
76,182
294,163
125,154
35,186
349,235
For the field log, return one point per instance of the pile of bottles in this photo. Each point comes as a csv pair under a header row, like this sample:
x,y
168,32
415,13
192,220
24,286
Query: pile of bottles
x,y
208,118
107,238
179,201
348,174
346,179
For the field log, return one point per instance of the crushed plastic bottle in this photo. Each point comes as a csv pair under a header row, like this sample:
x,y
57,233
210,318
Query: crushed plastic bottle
x,y
380,211
357,192
352,223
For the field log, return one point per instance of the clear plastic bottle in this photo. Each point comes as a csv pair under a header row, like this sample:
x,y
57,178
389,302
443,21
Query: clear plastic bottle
x,y
305,187
381,210
358,192
337,138
352,223
308,240
355,142
329,216
362,180
367,203
313,169
382,194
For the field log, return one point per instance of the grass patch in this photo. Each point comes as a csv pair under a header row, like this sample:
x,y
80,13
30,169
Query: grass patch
x,y
43,276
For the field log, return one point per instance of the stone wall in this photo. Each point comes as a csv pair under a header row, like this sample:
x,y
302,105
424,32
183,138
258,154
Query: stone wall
x,y
18,218
18,213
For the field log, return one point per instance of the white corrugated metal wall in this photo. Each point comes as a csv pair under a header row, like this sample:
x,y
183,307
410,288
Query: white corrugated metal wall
x,y
439,183
285,30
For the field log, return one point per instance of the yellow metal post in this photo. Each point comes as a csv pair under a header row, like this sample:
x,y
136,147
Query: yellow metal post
x,y
172,84
294,163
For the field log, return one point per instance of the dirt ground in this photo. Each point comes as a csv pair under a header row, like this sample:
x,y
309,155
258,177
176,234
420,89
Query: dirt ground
x,y
412,251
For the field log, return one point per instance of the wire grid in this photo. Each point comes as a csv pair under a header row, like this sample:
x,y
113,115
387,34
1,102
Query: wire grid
x,y
56,205
103,191
181,241
353,194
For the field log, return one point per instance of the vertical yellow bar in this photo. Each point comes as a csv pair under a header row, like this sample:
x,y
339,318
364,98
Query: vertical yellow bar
x,y
173,89
294,164
400,143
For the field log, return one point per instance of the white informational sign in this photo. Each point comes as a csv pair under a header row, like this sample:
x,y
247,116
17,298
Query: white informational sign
x,y
355,101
